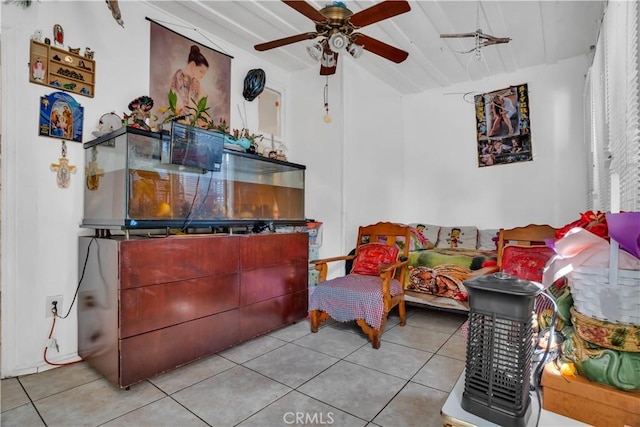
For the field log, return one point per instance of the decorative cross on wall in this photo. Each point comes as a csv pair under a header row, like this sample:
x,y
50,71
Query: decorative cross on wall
x,y
63,169
94,173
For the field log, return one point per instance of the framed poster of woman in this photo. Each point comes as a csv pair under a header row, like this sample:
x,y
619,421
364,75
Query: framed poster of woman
x,y
503,126
191,70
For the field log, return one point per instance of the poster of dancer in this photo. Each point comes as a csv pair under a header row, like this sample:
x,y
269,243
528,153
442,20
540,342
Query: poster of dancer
x,y
503,126
192,71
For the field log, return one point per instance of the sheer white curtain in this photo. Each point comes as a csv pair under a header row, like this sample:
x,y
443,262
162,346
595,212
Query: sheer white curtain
x,y
612,108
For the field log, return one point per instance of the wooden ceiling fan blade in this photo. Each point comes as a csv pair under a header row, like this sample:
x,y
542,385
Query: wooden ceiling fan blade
x,y
379,12
380,48
285,41
306,9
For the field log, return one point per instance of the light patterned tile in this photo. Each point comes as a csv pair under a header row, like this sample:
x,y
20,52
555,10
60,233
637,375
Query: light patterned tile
x,y
298,409
252,348
95,403
438,320
230,397
440,373
390,358
333,342
419,338
162,413
58,379
291,364
353,389
22,416
415,405
455,347
13,394
192,373
293,332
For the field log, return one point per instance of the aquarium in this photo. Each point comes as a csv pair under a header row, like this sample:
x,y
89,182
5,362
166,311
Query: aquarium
x,y
139,179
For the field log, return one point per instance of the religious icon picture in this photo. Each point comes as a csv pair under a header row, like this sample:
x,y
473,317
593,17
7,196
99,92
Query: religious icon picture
x,y
58,35
61,116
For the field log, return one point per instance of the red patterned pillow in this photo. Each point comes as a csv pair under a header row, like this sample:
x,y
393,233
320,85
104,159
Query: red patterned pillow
x,y
526,262
371,255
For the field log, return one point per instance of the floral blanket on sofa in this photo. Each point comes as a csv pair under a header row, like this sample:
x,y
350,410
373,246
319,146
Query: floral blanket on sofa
x,y
436,276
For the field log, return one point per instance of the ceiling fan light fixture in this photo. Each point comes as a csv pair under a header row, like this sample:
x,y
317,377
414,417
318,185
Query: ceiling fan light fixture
x,y
328,59
338,42
355,50
315,51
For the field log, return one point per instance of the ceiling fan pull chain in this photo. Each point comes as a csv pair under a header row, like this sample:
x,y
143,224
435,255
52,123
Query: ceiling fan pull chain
x,y
327,117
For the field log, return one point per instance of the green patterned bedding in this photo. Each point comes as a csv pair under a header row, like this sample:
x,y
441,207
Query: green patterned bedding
x,y
473,259
439,273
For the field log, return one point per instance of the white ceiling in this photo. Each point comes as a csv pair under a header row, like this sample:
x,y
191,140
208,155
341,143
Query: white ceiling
x,y
542,32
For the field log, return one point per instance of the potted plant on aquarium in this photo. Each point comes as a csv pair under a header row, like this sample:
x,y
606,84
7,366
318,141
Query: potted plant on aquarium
x,y
195,114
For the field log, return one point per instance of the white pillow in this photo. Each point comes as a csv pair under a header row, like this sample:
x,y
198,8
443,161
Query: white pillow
x,y
485,239
458,237
429,231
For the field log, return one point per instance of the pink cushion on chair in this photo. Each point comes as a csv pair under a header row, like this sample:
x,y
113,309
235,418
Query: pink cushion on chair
x,y
371,255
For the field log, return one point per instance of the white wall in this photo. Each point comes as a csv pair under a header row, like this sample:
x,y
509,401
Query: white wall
x,y
40,222
354,164
443,183
319,145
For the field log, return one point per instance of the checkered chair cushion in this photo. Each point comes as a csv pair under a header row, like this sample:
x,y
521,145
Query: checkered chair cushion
x,y
354,296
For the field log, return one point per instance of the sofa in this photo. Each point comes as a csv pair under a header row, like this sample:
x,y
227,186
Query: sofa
x,y
442,257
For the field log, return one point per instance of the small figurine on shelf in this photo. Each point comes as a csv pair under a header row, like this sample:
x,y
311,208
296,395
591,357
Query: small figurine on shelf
x,y
140,111
58,35
74,50
39,71
37,36
88,53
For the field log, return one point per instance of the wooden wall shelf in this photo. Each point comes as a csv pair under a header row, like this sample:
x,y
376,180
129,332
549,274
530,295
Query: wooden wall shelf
x,y
61,69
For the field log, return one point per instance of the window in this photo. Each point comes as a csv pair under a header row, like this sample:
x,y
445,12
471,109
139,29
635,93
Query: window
x,y
612,108
269,114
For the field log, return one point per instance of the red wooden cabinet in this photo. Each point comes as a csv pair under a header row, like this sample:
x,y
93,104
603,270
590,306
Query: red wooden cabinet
x,y
149,305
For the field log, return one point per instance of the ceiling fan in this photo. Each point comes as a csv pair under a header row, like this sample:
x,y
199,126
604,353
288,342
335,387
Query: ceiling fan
x,y
338,27
481,39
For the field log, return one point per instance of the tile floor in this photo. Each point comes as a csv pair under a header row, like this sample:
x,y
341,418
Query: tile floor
x,y
333,377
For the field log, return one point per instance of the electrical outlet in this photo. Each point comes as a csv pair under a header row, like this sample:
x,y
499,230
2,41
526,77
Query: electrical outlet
x,y
49,306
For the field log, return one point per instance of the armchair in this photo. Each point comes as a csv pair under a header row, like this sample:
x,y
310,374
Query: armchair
x,y
372,288
522,253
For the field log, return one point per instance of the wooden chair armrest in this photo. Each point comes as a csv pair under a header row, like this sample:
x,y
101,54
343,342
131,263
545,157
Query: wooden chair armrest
x,y
383,268
320,265
326,260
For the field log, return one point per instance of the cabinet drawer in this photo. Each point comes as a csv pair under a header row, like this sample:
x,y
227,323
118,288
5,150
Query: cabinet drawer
x,y
153,307
146,355
265,316
272,249
265,283
154,261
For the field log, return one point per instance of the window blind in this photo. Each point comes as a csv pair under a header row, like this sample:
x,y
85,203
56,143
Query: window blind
x,y
612,109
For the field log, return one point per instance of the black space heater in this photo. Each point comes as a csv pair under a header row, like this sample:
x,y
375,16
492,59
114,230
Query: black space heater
x,y
499,348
